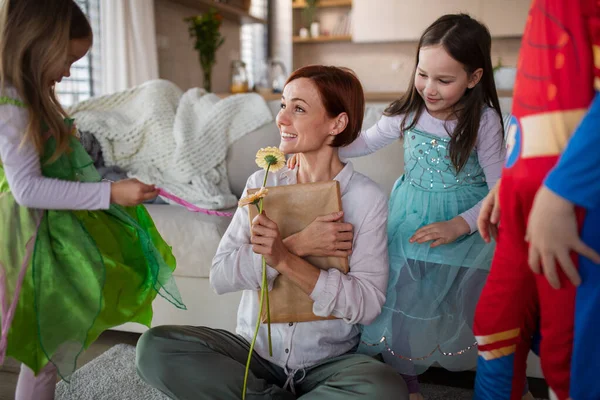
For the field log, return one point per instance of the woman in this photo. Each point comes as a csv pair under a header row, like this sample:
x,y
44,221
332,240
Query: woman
x,y
322,109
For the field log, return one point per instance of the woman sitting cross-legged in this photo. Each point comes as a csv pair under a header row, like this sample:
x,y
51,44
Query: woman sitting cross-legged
x,y
322,109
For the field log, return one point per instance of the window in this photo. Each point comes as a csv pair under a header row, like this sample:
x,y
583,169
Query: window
x,y
84,81
253,39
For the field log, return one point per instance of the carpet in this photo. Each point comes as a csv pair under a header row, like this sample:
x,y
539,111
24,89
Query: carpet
x,y
112,376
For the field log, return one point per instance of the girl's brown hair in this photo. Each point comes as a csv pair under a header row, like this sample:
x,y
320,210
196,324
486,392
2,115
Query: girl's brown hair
x,y
34,38
340,91
468,42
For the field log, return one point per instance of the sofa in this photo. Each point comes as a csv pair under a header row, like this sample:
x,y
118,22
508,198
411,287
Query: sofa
x,y
195,237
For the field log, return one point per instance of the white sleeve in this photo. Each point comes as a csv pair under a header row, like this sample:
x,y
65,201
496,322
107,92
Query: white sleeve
x,y
235,266
491,154
22,169
386,131
358,297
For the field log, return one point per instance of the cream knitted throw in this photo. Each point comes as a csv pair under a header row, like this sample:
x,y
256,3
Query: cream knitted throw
x,y
177,141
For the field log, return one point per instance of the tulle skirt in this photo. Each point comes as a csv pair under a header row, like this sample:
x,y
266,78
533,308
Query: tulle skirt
x,y
67,276
432,292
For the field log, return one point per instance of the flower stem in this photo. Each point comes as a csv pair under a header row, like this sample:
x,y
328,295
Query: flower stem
x,y
264,298
265,284
265,180
262,293
265,287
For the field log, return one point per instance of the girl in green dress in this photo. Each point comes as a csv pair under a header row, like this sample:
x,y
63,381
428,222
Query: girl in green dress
x,y
77,255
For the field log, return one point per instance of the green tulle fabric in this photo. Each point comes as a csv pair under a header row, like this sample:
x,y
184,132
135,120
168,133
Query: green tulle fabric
x,y
90,270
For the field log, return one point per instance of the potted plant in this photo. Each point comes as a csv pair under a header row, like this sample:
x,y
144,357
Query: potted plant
x,y
504,76
204,29
308,13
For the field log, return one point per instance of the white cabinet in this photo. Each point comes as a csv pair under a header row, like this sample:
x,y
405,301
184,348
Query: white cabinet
x,y
504,17
405,20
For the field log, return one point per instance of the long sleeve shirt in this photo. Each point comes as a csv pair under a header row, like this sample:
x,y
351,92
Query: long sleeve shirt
x,y
355,298
576,177
489,146
21,163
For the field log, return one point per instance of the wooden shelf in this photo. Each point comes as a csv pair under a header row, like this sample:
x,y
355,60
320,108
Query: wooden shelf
x,y
370,97
388,97
322,39
231,13
266,96
324,3
382,97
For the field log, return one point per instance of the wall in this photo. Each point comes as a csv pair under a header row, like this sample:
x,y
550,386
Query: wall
x,y
384,67
280,35
177,58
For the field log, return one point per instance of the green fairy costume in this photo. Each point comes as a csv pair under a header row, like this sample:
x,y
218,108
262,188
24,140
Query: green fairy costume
x,y
67,276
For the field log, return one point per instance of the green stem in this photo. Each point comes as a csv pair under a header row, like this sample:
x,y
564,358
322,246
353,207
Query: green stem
x,y
262,293
265,287
265,284
207,72
264,298
265,180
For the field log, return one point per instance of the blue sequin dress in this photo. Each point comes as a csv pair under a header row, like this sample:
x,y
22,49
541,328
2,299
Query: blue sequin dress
x,y
432,292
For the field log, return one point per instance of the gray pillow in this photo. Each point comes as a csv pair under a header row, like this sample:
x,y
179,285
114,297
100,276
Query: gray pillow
x,y
241,155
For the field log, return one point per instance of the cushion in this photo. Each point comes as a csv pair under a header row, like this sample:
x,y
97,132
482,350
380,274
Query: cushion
x,y
194,237
241,154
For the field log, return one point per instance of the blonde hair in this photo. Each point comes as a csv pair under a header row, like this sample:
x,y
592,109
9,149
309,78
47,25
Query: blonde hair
x,y
34,38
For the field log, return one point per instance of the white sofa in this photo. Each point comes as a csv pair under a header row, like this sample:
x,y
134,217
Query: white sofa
x,y
195,237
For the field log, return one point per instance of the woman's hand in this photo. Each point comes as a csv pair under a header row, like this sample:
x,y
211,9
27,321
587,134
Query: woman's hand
x,y
131,192
553,234
293,161
489,216
441,232
266,241
325,236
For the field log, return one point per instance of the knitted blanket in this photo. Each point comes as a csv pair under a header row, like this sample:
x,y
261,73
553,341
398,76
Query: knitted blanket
x,y
177,141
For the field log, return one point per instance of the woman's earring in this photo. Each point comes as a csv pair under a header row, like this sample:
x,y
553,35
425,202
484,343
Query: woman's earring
x,y
331,133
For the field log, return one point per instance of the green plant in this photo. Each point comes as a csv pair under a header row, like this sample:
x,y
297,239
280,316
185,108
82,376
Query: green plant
x,y
308,13
498,65
204,29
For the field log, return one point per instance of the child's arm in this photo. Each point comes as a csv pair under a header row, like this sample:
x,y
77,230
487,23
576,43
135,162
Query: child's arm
x,y
491,154
386,131
552,229
22,168
576,177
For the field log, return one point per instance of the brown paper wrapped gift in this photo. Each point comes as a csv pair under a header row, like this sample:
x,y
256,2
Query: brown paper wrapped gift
x,y
292,208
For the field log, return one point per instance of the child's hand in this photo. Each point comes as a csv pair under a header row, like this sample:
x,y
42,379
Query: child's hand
x,y
293,161
325,236
441,232
489,216
553,234
131,192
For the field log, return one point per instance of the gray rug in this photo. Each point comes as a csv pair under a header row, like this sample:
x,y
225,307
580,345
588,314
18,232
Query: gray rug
x,y
112,376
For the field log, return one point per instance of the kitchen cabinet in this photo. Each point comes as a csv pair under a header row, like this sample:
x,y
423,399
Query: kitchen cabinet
x,y
405,20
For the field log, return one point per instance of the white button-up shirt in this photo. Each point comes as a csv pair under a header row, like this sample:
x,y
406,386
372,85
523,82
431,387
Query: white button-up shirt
x,y
355,298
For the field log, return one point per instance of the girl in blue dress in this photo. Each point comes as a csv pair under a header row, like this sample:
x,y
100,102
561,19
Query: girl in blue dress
x,y
452,128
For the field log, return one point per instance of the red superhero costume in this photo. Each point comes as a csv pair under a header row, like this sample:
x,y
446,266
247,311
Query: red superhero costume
x,y
554,87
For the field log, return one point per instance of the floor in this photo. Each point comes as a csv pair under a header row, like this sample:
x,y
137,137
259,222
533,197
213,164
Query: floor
x,y
466,380
10,371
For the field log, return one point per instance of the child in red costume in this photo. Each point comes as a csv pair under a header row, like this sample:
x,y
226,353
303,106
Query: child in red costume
x,y
555,86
